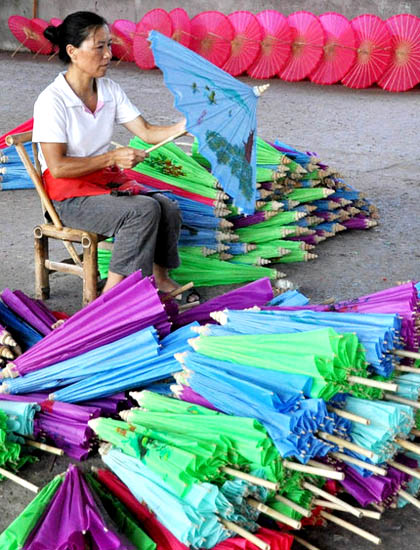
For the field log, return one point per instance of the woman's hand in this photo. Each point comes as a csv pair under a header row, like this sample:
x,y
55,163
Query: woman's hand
x,y
127,157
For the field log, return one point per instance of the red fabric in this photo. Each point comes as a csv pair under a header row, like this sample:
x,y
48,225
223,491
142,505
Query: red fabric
x,y
24,127
97,183
163,538
60,315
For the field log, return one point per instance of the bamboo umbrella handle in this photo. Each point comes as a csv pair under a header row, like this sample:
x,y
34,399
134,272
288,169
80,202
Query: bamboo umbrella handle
x,y
22,482
245,534
346,444
351,460
406,353
294,506
305,543
408,445
273,513
177,291
402,400
389,386
365,513
350,527
154,147
322,472
410,471
320,492
44,447
412,500
252,479
404,368
415,432
350,416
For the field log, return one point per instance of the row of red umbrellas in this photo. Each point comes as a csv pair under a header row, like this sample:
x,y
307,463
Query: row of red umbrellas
x,y
326,49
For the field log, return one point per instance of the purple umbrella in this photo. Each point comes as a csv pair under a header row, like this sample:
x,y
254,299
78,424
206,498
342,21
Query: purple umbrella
x,y
128,307
29,310
186,393
73,520
256,293
110,405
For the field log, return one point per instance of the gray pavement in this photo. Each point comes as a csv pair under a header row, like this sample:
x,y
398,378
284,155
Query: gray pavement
x,y
370,135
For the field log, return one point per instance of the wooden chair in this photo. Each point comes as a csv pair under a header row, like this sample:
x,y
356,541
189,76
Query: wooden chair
x,y
84,266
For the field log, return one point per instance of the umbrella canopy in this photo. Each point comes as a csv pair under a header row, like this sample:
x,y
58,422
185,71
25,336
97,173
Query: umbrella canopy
x,y
14,537
22,333
156,19
275,45
339,50
181,26
403,72
220,112
246,43
122,33
20,416
30,34
37,316
308,38
24,127
373,51
211,36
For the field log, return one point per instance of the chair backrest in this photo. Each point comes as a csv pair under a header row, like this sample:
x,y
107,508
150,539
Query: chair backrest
x,y
34,171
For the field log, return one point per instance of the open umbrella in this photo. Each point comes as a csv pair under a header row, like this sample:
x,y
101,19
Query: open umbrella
x,y
122,33
308,38
403,72
211,36
181,26
373,42
275,45
156,19
246,43
220,112
30,34
339,50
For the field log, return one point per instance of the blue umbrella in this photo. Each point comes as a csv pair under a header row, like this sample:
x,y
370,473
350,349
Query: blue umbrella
x,y
192,519
137,373
13,174
23,333
289,298
127,352
220,112
20,416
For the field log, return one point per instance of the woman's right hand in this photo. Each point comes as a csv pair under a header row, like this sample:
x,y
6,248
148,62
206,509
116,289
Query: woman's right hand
x,y
127,157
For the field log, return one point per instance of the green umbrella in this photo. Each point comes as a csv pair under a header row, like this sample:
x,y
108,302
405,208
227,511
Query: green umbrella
x,y
177,169
210,271
125,522
14,537
309,194
295,256
331,359
10,450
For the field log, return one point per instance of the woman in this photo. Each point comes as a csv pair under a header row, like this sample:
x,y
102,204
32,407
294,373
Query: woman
x,y
73,124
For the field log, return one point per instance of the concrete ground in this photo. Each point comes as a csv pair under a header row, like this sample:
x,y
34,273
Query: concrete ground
x,y
370,135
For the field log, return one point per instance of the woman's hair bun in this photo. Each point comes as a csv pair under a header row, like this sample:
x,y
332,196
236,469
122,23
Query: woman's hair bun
x,y
51,33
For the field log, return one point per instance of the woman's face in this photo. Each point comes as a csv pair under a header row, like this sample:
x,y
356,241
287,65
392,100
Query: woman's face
x,y
93,55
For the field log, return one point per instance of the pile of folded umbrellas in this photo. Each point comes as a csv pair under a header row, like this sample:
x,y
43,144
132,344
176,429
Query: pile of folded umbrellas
x,y
327,49
248,416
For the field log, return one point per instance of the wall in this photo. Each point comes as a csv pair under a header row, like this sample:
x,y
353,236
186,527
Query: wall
x,y
135,9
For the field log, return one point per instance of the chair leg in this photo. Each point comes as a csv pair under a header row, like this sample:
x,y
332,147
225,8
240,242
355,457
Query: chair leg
x,y
42,274
90,268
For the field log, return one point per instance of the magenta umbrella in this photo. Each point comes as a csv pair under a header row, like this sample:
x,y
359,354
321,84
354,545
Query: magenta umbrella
x,y
35,315
256,293
128,307
73,520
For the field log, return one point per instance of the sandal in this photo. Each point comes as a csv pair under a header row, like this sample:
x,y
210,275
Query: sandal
x,y
193,297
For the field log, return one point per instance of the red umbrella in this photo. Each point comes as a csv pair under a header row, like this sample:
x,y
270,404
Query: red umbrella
x,y
55,21
181,26
157,20
276,45
307,43
122,32
24,127
339,50
246,44
211,36
403,72
373,51
30,34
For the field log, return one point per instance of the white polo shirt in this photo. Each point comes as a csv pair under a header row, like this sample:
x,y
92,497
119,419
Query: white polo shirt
x,y
60,116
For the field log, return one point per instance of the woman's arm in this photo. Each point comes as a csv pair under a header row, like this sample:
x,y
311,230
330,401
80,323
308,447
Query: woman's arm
x,y
62,166
153,134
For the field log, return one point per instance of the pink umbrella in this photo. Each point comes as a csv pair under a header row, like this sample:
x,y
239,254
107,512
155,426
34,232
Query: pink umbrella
x,y
211,36
339,50
246,43
276,45
157,20
122,33
181,26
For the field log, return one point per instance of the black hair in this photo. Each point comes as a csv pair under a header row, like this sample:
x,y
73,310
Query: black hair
x,y
75,28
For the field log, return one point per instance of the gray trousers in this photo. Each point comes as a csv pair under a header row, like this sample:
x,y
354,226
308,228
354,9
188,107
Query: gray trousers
x,y
146,228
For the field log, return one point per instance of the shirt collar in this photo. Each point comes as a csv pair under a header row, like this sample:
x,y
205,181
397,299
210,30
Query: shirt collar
x,y
73,100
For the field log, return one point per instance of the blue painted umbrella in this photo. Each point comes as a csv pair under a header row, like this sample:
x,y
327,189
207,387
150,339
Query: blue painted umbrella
x,y
125,352
193,519
134,374
220,112
23,333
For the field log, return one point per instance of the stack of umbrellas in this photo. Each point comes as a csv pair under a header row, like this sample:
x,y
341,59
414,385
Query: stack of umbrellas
x,y
13,174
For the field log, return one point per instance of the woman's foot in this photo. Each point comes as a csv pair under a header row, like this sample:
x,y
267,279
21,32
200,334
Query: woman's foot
x,y
164,283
